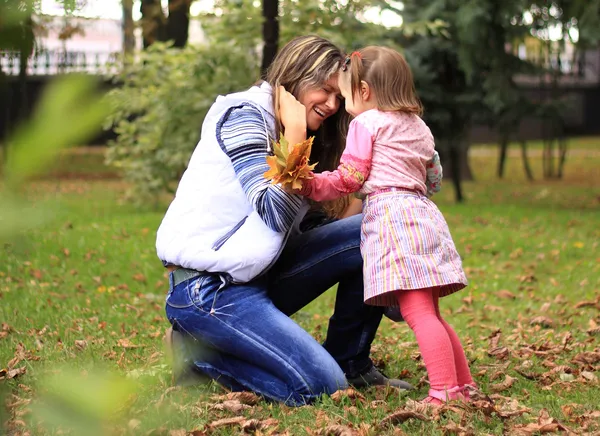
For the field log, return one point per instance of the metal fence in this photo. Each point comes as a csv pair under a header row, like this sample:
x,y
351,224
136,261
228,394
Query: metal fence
x,y
53,62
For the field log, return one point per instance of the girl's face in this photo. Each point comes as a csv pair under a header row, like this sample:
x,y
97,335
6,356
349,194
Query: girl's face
x,y
357,105
321,102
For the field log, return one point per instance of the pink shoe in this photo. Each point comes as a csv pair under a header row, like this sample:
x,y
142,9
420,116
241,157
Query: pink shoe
x,y
438,397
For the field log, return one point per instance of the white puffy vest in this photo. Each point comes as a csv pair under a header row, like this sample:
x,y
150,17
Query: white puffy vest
x,y
210,225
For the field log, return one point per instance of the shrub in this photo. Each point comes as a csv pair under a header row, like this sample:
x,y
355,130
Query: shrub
x,y
158,107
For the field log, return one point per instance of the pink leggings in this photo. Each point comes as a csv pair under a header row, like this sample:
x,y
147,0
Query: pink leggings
x,y
442,352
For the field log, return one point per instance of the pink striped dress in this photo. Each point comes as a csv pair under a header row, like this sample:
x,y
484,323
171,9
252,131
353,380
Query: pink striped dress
x,y
405,241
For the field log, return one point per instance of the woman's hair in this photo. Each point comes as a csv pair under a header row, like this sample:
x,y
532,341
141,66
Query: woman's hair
x,y
388,75
308,62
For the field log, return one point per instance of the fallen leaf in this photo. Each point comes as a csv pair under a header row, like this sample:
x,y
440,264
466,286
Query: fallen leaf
x,y
499,353
504,293
587,358
231,405
179,432
139,277
418,407
512,408
7,374
126,343
494,338
506,384
349,393
81,344
248,398
527,374
586,304
133,424
227,422
337,430
532,429
543,321
589,376
456,429
400,416
568,337
527,278
545,420
486,407
516,253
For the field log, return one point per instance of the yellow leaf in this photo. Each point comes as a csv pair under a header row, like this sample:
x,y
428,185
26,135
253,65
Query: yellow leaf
x,y
289,165
273,168
578,244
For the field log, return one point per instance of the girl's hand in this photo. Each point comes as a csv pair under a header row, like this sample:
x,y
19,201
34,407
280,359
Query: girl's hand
x,y
292,115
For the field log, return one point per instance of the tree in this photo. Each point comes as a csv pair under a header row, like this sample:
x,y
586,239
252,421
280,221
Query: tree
x,y
128,27
156,26
17,36
241,22
270,32
467,75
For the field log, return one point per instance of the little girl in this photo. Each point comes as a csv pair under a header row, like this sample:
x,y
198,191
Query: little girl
x,y
409,257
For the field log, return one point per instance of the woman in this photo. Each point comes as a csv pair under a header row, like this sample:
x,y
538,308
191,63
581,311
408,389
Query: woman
x,y
243,255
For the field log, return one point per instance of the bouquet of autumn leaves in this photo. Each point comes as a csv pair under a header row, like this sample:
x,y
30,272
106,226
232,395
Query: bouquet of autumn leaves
x,y
289,165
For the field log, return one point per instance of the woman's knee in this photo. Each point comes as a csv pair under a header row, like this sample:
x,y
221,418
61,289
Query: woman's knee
x,y
326,385
321,376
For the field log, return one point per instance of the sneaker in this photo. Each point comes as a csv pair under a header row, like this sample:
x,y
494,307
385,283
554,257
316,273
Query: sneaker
x,y
373,377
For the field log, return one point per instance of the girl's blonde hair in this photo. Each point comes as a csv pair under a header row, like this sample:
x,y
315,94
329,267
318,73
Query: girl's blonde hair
x,y
308,62
388,75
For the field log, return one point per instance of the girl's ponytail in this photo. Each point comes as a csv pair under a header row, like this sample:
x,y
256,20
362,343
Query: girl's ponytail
x,y
356,72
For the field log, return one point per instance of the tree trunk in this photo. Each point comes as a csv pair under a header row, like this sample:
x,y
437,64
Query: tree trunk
x,y
153,22
525,159
178,24
23,97
562,146
453,162
127,27
455,167
502,157
270,33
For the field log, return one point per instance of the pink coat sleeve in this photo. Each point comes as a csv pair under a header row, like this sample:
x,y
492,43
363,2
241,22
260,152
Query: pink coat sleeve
x,y
351,174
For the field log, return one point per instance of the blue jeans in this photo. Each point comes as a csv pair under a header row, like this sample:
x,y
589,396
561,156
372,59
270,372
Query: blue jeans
x,y
242,336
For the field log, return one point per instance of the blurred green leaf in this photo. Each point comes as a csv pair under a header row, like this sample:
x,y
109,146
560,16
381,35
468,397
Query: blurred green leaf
x,y
16,214
86,404
70,111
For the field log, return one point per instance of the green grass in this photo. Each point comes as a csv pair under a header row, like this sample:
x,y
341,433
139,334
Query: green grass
x,y
579,143
85,293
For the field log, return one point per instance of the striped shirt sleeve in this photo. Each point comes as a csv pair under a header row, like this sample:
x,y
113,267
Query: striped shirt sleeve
x,y
242,136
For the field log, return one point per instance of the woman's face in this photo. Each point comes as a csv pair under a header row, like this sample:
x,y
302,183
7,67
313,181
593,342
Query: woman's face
x,y
321,102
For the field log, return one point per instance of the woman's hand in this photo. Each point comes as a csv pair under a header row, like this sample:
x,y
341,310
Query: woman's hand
x,y
292,115
287,187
